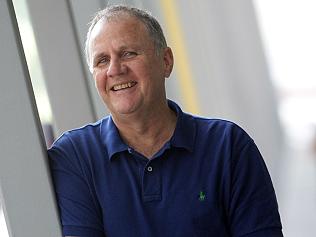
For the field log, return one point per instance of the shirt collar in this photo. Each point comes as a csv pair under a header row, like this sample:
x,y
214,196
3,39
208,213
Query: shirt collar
x,y
111,138
183,137
184,134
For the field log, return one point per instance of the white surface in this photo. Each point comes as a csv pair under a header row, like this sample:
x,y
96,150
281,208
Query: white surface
x,y
3,226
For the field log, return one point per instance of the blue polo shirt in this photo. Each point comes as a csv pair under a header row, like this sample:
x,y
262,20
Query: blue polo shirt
x,y
208,180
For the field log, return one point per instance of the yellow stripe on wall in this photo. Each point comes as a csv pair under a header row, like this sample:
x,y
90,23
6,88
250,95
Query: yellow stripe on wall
x,y
183,70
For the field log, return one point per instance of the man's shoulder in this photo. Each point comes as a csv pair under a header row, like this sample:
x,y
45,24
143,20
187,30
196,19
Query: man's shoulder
x,y
206,121
90,131
218,128
215,123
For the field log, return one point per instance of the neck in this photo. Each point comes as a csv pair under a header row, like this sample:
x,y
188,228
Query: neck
x,y
149,131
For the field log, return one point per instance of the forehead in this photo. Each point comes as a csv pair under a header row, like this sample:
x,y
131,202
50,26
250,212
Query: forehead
x,y
119,28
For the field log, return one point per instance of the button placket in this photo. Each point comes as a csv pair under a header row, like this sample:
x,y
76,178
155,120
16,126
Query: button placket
x,y
151,182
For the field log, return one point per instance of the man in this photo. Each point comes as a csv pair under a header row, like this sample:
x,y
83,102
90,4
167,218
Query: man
x,y
149,169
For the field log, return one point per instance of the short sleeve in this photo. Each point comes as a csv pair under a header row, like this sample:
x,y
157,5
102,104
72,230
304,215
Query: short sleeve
x,y
253,208
79,211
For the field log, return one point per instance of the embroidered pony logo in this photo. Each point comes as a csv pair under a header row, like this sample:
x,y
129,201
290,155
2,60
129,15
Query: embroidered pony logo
x,y
202,196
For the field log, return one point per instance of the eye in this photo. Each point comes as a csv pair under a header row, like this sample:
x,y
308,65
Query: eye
x,y
104,60
128,54
101,61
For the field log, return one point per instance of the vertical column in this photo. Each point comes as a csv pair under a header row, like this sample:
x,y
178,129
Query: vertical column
x,y
27,194
82,13
62,65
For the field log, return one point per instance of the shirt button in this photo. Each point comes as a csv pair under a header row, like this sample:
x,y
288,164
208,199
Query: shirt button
x,y
149,168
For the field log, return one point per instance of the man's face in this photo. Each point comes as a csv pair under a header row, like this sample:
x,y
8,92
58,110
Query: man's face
x,y
128,73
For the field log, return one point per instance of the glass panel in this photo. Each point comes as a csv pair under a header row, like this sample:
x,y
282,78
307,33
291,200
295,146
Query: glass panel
x,y
34,66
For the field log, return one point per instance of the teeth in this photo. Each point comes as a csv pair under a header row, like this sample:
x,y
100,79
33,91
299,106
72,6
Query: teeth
x,y
123,86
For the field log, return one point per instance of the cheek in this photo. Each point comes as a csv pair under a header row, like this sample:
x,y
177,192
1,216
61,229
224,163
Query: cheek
x,y
100,82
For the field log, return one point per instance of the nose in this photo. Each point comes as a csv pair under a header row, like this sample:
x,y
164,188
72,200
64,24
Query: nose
x,y
116,68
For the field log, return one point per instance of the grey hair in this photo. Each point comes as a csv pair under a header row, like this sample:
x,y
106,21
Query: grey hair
x,y
151,24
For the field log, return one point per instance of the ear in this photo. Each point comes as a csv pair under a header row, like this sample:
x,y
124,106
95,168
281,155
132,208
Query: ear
x,y
168,61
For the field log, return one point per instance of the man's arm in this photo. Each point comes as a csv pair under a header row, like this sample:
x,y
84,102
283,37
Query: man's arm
x,y
79,211
253,208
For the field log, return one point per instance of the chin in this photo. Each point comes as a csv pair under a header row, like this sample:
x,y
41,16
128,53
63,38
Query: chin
x,y
123,109
124,106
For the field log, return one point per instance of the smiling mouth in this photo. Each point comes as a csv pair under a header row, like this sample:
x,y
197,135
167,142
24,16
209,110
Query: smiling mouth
x,y
123,86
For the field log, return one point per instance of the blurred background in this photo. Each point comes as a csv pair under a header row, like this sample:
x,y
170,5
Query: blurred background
x,y
252,62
